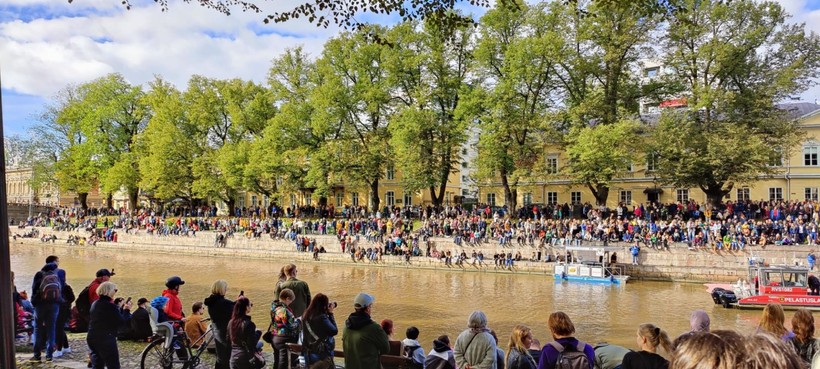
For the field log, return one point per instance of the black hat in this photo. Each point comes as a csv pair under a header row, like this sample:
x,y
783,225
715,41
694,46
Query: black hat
x,y
174,281
103,273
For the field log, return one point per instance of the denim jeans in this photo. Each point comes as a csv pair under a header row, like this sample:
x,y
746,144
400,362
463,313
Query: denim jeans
x,y
45,327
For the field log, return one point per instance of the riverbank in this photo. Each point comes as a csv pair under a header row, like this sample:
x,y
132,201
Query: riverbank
x,y
678,263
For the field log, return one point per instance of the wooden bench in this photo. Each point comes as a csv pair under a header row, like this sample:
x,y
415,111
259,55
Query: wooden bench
x,y
388,361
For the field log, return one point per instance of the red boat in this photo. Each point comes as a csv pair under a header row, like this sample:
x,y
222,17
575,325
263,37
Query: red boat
x,y
790,286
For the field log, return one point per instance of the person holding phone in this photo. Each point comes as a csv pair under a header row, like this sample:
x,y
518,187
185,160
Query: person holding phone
x,y
319,331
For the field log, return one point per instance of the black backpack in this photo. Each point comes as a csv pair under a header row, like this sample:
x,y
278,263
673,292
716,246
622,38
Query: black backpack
x,y
571,357
83,303
408,353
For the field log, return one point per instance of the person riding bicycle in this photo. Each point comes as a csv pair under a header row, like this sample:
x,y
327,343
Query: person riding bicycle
x,y
174,306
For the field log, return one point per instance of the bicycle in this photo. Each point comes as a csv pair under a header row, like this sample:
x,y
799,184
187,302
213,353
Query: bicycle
x,y
157,356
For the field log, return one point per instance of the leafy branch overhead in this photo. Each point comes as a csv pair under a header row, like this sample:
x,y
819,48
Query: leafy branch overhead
x,y
343,13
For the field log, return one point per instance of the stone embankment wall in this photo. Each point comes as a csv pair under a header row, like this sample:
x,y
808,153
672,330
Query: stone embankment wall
x,y
678,263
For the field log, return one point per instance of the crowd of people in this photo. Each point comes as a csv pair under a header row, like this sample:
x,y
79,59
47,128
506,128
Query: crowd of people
x,y
297,314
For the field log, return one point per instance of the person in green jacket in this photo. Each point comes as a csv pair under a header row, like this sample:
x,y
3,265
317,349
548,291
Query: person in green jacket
x,y
300,289
363,340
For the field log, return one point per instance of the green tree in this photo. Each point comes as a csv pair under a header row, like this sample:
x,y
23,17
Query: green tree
x,y
113,114
429,68
736,60
167,145
354,100
515,56
599,154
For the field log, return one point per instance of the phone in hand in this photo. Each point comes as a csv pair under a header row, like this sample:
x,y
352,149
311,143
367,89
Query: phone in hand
x,y
242,293
128,300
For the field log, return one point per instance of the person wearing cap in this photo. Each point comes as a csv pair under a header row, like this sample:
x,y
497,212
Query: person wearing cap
x,y
103,275
141,321
300,289
174,306
363,339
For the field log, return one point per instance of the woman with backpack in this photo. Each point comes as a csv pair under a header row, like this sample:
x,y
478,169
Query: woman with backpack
x,y
319,327
804,343
566,350
649,339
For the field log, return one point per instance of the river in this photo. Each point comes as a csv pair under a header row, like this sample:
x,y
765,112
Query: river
x,y
437,302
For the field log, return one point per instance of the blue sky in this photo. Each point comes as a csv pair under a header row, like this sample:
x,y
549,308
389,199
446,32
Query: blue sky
x,y
46,45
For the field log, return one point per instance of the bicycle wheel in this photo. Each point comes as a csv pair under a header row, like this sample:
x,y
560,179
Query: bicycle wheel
x,y
156,356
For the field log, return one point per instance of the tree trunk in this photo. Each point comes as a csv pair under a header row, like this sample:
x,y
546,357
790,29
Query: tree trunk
x,y
510,194
436,200
374,195
109,199
231,204
601,193
715,193
133,196
83,197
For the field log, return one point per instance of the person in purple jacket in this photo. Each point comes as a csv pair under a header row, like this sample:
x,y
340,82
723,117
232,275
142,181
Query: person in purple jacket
x,y
562,330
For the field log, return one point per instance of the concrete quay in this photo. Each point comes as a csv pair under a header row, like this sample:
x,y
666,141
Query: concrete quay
x,y
678,263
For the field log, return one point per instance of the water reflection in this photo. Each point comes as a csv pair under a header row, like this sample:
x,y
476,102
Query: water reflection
x,y
438,302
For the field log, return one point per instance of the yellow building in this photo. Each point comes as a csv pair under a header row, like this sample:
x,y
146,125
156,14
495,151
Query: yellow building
x,y
19,190
798,179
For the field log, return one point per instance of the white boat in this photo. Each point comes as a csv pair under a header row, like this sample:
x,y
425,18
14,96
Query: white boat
x,y
576,269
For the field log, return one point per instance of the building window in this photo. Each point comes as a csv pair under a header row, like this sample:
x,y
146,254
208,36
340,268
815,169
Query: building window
x,y
626,197
775,193
810,155
390,198
279,181
777,158
652,162
743,194
651,72
552,198
465,178
491,199
575,197
241,202
408,199
463,151
683,195
292,200
391,171
465,193
340,198
552,164
355,198
628,167
527,198
253,200
464,165
811,193
308,199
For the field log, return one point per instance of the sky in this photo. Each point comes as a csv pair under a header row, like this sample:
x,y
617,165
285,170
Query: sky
x,y
46,45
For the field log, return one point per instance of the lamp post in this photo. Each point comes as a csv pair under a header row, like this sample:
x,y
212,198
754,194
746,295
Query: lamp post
x,y
7,353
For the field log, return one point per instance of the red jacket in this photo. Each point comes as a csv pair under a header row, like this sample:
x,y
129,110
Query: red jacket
x,y
174,307
92,290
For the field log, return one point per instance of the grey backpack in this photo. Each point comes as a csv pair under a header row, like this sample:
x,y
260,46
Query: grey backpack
x,y
571,358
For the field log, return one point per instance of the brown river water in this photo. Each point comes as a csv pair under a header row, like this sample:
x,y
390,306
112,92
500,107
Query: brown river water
x,y
437,302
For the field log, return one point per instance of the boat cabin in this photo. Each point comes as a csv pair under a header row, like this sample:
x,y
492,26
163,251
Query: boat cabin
x,y
779,279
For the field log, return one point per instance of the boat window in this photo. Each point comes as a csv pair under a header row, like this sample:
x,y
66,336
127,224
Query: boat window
x,y
773,278
794,279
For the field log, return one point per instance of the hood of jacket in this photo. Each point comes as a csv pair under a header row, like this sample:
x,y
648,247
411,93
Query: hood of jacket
x,y
358,320
50,267
170,292
439,346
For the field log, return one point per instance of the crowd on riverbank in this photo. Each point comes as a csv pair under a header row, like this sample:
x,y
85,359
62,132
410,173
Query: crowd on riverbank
x,y
363,341
733,226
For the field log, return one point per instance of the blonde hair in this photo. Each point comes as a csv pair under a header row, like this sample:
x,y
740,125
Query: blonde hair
x,y
519,332
655,336
709,350
773,319
220,287
107,289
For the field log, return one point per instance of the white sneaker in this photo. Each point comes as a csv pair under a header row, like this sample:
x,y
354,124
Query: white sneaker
x,y
67,350
57,354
